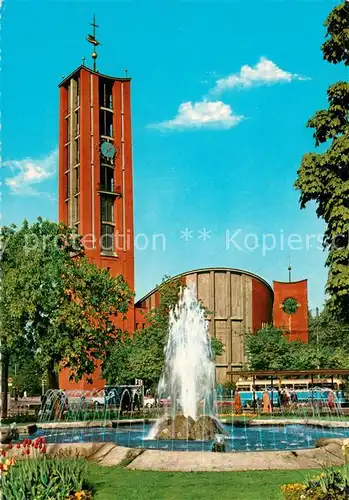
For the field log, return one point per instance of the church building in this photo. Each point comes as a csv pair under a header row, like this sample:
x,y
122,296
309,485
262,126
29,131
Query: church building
x,y
96,197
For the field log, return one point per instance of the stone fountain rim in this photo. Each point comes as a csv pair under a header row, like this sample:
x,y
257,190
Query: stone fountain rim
x,y
249,423
108,454
32,427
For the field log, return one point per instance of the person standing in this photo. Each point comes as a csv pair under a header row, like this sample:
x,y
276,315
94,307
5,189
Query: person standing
x,y
237,403
266,402
331,400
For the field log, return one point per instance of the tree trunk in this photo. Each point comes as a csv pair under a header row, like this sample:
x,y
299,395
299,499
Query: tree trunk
x,y
52,377
4,383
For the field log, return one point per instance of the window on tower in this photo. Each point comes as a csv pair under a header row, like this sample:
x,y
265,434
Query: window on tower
x,y
77,100
76,209
67,129
67,157
77,151
107,178
67,185
77,123
107,208
76,180
106,94
106,123
107,238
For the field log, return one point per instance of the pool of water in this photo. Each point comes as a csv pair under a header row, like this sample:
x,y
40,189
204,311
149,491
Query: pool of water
x,y
239,438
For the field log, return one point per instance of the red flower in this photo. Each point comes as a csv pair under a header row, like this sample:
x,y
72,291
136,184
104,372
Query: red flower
x,y
1,466
23,452
28,451
10,446
3,453
18,445
44,449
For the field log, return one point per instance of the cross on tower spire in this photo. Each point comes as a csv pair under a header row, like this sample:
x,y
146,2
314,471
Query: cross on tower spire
x,y
92,39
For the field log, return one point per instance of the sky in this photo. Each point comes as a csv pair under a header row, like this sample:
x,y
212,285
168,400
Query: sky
x,y
221,93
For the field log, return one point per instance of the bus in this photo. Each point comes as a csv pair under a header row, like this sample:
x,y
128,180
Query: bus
x,y
307,391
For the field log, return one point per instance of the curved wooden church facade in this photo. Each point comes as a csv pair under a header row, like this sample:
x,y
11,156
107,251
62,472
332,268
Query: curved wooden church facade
x,y
239,302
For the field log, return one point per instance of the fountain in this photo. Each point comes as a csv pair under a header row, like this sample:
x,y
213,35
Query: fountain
x,y
188,378
189,422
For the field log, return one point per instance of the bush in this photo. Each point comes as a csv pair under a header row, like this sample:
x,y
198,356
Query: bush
x,y
46,479
330,485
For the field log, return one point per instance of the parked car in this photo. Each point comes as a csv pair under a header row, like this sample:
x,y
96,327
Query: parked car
x,y
149,402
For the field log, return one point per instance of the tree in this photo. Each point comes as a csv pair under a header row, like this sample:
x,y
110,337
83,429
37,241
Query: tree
x,y
117,369
324,177
326,331
269,349
26,376
217,347
54,303
143,356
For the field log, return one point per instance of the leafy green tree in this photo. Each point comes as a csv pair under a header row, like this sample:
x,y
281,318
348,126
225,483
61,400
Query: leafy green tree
x,y
117,368
327,331
217,347
26,376
269,349
56,304
324,177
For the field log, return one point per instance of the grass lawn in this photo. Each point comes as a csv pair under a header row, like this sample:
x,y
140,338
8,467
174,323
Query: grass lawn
x,y
113,483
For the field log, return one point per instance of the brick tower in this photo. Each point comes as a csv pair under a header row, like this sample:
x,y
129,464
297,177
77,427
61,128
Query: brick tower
x,y
95,173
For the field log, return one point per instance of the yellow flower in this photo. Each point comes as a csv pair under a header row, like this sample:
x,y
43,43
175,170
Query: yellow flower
x,y
80,494
295,487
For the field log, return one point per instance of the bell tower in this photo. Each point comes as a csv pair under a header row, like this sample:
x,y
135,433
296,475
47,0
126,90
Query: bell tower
x,y
95,167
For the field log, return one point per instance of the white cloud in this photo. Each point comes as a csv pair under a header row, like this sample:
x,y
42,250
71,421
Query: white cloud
x,y
29,173
265,72
203,114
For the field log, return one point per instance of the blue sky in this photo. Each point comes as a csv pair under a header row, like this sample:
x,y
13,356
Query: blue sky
x,y
221,93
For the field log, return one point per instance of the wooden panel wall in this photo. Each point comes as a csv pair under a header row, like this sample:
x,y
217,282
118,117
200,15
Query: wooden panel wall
x,y
227,294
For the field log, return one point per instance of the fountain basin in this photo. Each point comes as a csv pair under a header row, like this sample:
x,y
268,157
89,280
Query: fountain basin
x,y
269,437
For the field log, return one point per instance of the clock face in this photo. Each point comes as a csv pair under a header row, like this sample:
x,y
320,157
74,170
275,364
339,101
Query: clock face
x,y
108,149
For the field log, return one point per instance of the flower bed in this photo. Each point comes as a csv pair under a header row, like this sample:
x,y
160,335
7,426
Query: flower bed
x,y
330,485
33,476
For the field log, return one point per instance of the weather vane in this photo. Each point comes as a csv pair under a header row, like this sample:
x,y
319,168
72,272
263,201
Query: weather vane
x,y
92,39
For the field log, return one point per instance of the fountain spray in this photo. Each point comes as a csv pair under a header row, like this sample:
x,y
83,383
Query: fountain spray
x,y
189,373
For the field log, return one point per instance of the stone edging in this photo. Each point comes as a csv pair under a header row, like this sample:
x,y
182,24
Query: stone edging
x,y
108,454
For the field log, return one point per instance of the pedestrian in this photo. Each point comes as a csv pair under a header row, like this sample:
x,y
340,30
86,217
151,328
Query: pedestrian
x,y
331,400
294,397
136,403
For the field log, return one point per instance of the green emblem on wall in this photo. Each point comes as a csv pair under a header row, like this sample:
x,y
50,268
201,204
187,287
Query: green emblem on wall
x,y
290,305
